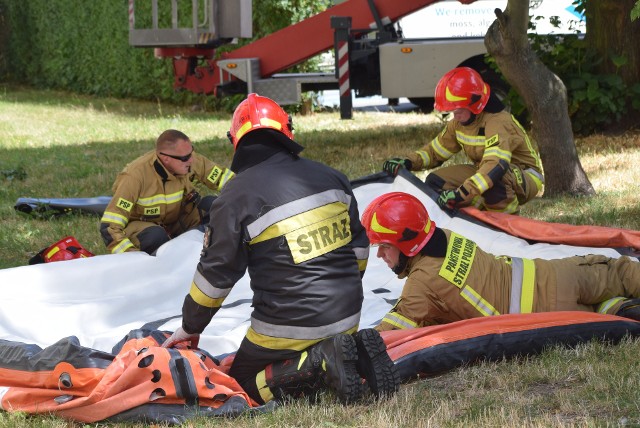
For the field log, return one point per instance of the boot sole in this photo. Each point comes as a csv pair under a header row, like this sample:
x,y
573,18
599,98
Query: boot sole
x,y
375,365
350,390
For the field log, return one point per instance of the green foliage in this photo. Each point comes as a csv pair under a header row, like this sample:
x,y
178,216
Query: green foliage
x,y
595,100
83,46
635,12
14,174
69,145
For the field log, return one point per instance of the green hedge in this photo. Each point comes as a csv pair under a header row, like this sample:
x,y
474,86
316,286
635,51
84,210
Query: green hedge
x,y
83,46
80,46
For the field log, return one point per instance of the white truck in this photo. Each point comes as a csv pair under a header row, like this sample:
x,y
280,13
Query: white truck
x,y
392,48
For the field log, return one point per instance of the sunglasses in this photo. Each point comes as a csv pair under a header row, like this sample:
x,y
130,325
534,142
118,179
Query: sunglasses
x,y
180,158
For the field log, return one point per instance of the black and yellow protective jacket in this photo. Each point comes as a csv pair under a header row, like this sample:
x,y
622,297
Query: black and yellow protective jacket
x,y
493,141
467,282
294,224
146,191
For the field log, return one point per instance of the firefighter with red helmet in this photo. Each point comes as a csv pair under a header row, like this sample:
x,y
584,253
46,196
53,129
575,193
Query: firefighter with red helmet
x,y
449,278
506,170
293,224
155,199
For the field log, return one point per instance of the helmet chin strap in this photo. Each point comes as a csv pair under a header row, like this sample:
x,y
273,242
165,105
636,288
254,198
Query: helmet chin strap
x,y
402,264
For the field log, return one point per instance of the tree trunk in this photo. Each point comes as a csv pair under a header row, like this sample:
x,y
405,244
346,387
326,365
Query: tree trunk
x,y
610,31
612,34
544,95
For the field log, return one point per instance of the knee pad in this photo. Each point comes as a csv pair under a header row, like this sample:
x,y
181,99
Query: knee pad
x,y
435,182
152,238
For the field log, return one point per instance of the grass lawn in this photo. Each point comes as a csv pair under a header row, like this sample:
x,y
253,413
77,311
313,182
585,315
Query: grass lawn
x,y
60,145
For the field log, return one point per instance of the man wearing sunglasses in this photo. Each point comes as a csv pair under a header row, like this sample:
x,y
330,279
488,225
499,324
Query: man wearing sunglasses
x,y
155,199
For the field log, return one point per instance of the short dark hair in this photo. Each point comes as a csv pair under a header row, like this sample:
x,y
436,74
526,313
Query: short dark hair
x,y
169,138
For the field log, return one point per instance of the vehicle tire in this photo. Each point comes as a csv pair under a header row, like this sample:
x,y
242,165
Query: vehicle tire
x,y
425,104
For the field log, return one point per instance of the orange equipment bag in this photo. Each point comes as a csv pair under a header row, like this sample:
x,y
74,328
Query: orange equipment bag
x,y
67,248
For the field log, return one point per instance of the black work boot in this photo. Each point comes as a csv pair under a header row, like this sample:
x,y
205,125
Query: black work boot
x,y
630,309
290,379
336,359
374,364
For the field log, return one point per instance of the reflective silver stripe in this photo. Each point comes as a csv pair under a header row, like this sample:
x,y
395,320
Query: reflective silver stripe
x,y
517,270
399,321
535,174
109,217
161,199
426,159
472,296
207,289
296,207
440,149
361,253
226,176
305,333
123,246
470,140
604,307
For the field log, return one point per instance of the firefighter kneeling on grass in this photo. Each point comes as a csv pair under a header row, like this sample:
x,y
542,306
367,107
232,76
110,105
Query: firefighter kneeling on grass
x,y
155,199
449,278
294,224
506,170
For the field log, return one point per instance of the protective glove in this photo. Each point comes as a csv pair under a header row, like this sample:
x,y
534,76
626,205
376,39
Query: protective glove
x,y
392,166
448,199
180,336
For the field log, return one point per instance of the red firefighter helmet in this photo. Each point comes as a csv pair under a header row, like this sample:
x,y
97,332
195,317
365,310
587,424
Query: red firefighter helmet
x,y
258,112
65,249
462,87
398,219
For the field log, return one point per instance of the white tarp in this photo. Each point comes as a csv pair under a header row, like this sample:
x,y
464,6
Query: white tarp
x,y
100,299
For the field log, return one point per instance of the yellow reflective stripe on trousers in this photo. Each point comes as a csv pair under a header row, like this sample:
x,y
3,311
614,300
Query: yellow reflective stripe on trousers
x,y
523,280
604,307
398,321
536,177
123,246
263,388
273,342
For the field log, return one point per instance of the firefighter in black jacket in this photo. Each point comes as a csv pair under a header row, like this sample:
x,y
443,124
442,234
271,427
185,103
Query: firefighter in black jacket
x,y
294,224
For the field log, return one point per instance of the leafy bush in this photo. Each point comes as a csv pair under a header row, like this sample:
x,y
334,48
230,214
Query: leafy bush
x,y
596,101
83,47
